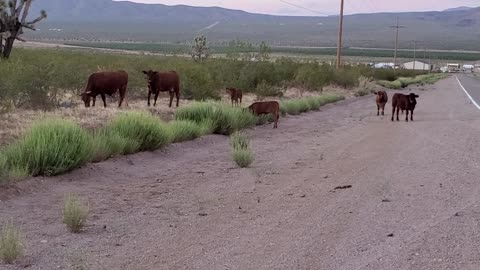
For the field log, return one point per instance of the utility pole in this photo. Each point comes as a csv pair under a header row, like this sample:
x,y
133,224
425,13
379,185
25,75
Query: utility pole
x,y
424,57
340,30
397,26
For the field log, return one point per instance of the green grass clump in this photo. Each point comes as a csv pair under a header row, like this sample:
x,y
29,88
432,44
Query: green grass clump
x,y
50,147
185,130
11,246
298,106
3,169
141,131
403,82
222,118
107,144
241,152
74,214
391,85
362,92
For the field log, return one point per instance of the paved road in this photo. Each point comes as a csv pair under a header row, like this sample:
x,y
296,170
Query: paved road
x,y
471,85
414,202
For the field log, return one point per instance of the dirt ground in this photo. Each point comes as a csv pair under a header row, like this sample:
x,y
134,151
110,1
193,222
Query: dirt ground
x,y
413,201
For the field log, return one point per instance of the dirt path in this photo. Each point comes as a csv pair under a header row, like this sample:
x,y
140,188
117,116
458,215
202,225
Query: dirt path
x,y
414,201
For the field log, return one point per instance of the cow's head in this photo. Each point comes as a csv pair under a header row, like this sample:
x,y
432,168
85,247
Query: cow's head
x,y
86,96
229,90
413,99
380,94
150,74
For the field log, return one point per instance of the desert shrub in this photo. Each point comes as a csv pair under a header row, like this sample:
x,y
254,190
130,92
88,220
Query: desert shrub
x,y
11,246
3,169
185,130
391,85
197,82
362,92
314,77
241,152
292,107
346,78
107,144
298,106
225,119
142,131
50,147
74,213
267,90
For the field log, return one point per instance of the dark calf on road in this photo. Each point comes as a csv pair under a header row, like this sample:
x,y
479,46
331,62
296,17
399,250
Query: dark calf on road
x,y
266,107
163,82
381,99
236,95
105,83
404,102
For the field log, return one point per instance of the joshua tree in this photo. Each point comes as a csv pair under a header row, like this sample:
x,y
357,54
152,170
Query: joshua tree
x,y
13,19
199,48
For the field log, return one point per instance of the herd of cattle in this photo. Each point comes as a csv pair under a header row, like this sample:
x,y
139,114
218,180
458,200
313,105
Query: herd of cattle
x,y
399,102
109,82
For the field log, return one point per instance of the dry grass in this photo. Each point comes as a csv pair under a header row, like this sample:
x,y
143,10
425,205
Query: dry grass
x,y
74,213
11,246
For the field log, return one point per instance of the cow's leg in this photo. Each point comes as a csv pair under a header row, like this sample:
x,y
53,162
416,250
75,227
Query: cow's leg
x,y
171,98
177,95
276,116
406,117
149,96
398,111
383,109
93,100
121,92
104,98
378,110
411,115
393,113
156,97
232,101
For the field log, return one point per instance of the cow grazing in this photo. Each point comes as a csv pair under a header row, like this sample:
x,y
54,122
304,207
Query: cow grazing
x,y
382,99
105,83
404,102
236,95
163,82
266,107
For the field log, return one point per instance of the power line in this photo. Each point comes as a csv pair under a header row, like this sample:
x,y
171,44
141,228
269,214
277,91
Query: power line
x,y
305,8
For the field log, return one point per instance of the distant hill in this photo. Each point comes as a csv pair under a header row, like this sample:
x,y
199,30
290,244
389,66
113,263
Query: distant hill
x,y
463,8
106,20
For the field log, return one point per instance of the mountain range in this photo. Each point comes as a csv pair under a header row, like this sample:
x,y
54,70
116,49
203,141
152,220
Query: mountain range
x,y
107,20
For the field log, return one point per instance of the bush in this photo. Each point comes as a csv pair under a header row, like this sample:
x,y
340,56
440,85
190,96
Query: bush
x,y
243,157
107,144
241,153
266,90
3,169
362,92
50,147
225,119
141,131
298,106
185,130
11,246
74,214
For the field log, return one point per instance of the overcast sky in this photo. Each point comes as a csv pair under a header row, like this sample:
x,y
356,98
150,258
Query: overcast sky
x,y
323,6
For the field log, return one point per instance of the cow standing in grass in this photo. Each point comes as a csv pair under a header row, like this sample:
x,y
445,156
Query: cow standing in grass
x,y
163,82
105,83
381,99
236,96
266,107
404,102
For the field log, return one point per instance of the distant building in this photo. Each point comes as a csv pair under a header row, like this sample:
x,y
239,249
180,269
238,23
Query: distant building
x,y
383,65
417,65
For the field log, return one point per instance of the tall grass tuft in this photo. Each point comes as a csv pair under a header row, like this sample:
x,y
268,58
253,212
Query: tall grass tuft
x,y
223,118
11,246
141,131
241,152
185,130
74,213
3,169
50,147
298,106
107,144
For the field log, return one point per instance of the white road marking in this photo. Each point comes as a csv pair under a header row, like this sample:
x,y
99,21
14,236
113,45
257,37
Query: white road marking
x,y
466,92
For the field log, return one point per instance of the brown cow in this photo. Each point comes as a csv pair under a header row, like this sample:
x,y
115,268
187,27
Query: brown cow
x,y
105,83
382,99
163,82
236,95
266,107
404,102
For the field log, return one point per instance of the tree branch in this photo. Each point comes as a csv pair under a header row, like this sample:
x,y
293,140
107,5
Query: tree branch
x,y
21,39
28,3
19,9
41,17
13,5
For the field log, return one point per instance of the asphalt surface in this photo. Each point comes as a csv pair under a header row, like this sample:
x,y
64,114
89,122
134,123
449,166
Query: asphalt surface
x,y
471,84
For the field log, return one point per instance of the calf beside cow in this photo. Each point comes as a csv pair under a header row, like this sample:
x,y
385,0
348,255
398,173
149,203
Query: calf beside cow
x,y
399,102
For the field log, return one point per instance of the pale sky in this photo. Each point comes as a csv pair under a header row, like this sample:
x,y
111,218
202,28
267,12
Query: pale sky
x,y
330,7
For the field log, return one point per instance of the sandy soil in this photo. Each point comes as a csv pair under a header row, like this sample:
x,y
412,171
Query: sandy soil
x,y
413,203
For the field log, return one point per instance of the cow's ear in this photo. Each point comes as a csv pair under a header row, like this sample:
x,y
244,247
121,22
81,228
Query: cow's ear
x,y
155,73
375,92
144,72
417,96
